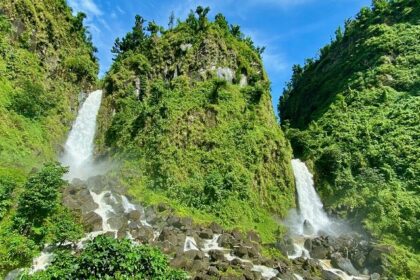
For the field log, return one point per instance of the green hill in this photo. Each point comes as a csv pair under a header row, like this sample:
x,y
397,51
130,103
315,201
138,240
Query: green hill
x,y
189,110
46,60
354,112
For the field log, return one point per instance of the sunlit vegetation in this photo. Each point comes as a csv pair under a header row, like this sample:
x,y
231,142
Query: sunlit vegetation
x,y
205,143
354,112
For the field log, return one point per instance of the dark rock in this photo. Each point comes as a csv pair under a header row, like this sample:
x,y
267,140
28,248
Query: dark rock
x,y
216,255
92,221
222,266
216,228
235,262
344,264
134,215
237,235
213,271
143,234
226,241
285,246
117,222
308,229
328,275
206,234
194,255
162,207
240,251
311,265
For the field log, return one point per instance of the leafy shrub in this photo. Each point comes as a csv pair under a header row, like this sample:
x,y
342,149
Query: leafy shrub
x,y
33,101
108,258
39,199
7,185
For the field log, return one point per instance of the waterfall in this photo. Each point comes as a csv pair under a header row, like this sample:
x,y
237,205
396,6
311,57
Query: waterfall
x,y
78,150
311,217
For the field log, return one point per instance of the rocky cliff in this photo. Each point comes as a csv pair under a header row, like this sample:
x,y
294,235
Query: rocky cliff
x,y
190,108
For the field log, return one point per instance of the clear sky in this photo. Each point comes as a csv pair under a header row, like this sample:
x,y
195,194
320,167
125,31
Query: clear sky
x,y
291,30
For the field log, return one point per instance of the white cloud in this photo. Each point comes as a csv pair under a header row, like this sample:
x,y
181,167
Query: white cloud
x,y
86,6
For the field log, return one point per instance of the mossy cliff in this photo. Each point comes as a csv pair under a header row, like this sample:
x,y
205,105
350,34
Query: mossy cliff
x,y
189,110
46,60
354,112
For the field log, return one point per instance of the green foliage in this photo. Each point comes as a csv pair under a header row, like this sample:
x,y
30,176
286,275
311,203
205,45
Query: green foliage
x,y
354,113
7,186
33,102
63,227
108,258
16,251
39,199
207,144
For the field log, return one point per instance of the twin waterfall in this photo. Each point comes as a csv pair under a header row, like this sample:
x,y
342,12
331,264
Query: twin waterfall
x,y
309,220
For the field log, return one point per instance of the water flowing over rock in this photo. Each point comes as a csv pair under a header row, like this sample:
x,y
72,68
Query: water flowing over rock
x,y
79,146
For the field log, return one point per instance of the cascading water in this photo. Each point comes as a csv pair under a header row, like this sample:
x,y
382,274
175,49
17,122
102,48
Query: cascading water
x,y
311,217
78,150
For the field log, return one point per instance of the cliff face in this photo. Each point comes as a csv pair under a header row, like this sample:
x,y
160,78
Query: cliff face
x,y
46,59
190,108
354,112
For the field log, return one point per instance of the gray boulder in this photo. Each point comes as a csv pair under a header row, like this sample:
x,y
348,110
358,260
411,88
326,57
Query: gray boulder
x,y
338,261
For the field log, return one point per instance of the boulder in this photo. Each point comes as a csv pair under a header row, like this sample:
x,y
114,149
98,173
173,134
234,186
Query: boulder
x,y
338,261
92,221
206,233
308,229
329,275
216,255
216,228
226,241
213,271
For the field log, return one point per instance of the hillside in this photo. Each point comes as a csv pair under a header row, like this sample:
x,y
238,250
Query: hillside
x,y
46,60
354,113
189,111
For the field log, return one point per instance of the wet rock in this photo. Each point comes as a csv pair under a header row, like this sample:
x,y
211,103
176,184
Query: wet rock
x,y
377,256
206,233
236,262
134,215
311,265
92,221
308,229
375,276
117,222
216,255
338,261
285,246
328,275
77,196
226,240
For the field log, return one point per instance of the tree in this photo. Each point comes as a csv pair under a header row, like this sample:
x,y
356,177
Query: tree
x,y
171,20
235,30
153,28
202,17
221,21
39,199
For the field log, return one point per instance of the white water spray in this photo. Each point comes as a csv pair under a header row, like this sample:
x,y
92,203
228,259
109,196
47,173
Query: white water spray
x,y
78,150
311,212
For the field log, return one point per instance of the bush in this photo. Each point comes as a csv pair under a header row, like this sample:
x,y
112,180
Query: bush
x,y
108,258
39,199
33,101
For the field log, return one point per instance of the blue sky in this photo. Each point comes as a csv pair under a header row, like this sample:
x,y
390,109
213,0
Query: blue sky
x,y
291,30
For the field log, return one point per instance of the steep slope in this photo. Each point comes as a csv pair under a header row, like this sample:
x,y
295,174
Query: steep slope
x,y
46,59
190,109
354,112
